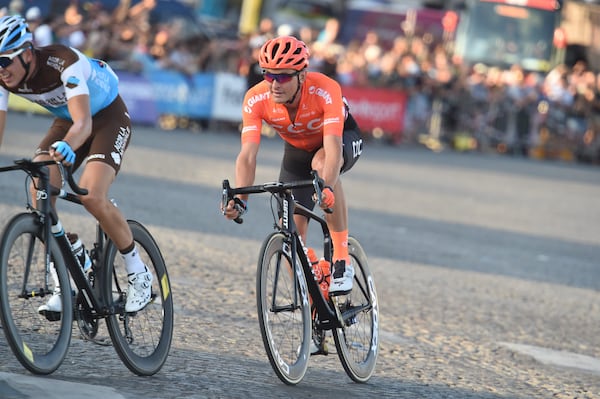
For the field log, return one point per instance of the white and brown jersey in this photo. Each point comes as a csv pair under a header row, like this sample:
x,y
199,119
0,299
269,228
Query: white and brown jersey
x,y
61,73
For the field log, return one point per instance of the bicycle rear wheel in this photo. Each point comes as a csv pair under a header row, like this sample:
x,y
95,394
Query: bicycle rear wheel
x,y
357,342
142,339
283,310
40,345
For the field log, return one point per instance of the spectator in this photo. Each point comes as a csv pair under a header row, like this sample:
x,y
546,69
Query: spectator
x,y
69,30
98,25
15,7
254,74
42,31
330,31
180,58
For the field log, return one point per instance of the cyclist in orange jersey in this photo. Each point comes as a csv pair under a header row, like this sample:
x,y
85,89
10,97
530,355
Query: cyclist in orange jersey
x,y
308,111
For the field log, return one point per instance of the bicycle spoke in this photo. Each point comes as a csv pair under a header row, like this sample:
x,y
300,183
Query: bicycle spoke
x,y
357,341
284,312
143,338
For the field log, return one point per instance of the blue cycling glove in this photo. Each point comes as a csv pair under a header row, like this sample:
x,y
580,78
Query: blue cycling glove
x,y
64,149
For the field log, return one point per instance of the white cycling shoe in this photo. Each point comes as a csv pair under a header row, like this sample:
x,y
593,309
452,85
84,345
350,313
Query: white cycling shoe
x,y
139,291
342,278
53,308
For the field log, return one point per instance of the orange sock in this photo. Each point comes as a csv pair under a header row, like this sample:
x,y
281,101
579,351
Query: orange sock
x,y
340,245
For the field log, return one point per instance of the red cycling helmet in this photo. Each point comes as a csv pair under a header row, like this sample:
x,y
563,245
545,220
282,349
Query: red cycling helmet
x,y
284,52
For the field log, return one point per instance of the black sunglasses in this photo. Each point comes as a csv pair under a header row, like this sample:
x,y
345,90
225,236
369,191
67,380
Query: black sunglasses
x,y
7,59
279,77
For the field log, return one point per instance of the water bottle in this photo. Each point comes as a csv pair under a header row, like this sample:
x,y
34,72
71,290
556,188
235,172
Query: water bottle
x,y
322,275
80,252
325,279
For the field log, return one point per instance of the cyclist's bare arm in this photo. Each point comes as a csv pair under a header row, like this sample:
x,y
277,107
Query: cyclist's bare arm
x,y
80,130
332,146
81,114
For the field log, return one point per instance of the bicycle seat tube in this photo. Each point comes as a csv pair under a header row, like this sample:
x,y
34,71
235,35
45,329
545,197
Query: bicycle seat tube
x,y
328,318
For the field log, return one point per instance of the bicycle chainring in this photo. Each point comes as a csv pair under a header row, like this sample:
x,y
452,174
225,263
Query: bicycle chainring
x,y
88,325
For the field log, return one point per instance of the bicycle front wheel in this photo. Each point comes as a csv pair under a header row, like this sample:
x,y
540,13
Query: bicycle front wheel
x,y
38,343
283,310
357,342
142,339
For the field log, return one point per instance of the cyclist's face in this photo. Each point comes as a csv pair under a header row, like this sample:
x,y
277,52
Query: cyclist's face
x,y
283,83
12,72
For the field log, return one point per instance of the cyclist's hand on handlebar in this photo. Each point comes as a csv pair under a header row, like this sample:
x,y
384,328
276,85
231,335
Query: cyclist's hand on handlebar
x,y
327,198
235,208
61,151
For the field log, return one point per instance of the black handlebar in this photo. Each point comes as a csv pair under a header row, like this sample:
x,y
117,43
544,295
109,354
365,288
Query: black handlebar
x,y
227,196
35,169
71,181
317,183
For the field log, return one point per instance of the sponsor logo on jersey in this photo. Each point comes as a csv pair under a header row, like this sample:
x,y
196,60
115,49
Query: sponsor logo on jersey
x,y
321,93
56,63
255,99
72,82
120,144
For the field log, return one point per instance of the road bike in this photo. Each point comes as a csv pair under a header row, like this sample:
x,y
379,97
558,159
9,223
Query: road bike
x,y
294,313
32,258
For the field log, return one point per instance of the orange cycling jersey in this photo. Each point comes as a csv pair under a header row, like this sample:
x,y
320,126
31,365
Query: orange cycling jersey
x,y
321,112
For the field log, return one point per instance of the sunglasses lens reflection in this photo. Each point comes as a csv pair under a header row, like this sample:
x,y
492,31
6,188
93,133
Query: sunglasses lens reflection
x,y
5,62
279,77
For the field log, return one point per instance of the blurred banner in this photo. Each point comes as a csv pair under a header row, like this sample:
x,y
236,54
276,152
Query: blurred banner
x,y
377,109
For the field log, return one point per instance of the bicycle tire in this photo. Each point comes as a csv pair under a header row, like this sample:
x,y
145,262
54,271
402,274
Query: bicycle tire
x,y
286,333
40,345
357,342
141,339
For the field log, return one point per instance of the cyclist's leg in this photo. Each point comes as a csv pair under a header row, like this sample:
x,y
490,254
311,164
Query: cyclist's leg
x,y
56,132
111,133
337,221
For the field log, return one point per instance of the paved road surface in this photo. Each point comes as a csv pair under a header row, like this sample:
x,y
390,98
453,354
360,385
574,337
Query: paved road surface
x,y
486,267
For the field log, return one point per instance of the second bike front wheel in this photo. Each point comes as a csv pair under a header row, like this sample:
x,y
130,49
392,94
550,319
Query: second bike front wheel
x,y
39,343
357,342
283,310
142,339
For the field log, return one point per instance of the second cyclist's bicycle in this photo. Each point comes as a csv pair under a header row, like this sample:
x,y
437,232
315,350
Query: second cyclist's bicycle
x,y
32,258
293,312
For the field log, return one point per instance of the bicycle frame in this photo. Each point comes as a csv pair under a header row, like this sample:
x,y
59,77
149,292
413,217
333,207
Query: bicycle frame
x,y
328,316
42,252
328,319
46,214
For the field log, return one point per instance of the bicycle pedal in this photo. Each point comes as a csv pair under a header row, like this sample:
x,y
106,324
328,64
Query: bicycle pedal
x,y
50,315
339,294
321,351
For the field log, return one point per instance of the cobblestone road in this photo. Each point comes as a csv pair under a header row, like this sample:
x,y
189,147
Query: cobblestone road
x,y
477,260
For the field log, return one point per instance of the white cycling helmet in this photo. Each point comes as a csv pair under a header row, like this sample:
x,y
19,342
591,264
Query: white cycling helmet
x,y
14,33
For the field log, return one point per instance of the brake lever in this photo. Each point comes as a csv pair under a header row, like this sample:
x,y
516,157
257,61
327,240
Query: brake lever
x,y
226,197
318,183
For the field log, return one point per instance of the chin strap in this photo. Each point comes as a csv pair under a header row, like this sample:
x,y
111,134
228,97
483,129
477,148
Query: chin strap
x,y
25,67
291,100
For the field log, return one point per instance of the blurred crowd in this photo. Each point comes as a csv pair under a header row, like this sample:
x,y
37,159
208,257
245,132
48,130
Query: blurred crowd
x,y
450,104
465,107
